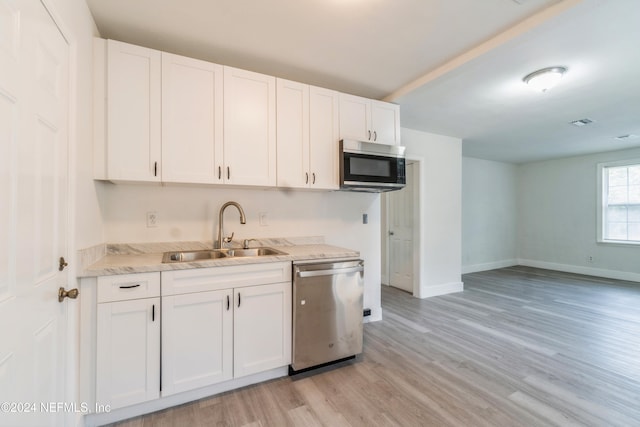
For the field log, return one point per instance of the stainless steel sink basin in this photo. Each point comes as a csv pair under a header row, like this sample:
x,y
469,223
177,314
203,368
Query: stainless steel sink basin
x,y
190,256
253,252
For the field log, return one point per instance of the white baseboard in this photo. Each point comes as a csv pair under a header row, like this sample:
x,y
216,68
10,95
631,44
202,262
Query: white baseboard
x,y
588,271
92,420
443,289
474,268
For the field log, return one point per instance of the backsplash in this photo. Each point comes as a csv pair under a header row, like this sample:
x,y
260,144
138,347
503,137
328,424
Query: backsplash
x,y
190,213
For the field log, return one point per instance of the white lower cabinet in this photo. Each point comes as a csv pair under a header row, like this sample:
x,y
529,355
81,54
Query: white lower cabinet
x,y
262,328
197,340
223,323
128,344
160,334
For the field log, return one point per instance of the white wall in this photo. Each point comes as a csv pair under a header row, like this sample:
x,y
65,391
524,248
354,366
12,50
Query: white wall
x,y
191,213
557,218
78,25
489,214
440,207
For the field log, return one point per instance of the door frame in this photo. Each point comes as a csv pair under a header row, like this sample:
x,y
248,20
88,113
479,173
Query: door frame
x,y
71,368
418,209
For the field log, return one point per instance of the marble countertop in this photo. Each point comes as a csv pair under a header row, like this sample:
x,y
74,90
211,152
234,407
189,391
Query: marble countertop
x,y
126,263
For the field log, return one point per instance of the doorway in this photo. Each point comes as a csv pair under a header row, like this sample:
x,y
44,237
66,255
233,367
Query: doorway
x,y
400,232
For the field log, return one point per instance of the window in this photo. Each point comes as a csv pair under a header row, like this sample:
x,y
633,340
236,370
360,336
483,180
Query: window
x,y
619,215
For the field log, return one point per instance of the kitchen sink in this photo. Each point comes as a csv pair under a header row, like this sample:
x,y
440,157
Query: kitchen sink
x,y
191,256
253,252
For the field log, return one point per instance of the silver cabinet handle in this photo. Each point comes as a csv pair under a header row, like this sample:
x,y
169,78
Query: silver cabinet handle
x,y
369,135
314,178
331,272
219,172
375,135
129,286
228,172
306,181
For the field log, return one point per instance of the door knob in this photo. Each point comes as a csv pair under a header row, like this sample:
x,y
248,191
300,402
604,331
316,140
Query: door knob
x,y
62,264
62,294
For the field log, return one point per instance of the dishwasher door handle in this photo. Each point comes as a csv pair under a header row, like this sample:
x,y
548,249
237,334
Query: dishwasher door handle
x,y
331,272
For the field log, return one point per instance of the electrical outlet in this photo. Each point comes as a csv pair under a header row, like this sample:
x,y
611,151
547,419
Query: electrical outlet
x,y
589,259
263,219
152,219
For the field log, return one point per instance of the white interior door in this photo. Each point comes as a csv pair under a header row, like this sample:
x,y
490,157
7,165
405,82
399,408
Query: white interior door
x,y
33,213
401,232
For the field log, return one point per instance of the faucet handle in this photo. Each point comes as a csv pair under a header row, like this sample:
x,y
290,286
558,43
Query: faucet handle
x,y
228,239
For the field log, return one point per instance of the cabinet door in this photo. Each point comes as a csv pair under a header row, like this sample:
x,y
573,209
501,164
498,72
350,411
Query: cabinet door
x,y
385,122
197,340
292,134
324,138
191,120
128,352
249,128
355,118
262,328
133,112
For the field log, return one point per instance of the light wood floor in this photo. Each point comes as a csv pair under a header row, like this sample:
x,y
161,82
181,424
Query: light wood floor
x,y
519,347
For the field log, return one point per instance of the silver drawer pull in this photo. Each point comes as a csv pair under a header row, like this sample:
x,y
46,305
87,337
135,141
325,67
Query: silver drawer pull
x,y
129,286
331,272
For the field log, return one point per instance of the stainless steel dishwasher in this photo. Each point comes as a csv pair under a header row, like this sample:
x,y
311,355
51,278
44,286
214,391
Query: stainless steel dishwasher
x,y
327,312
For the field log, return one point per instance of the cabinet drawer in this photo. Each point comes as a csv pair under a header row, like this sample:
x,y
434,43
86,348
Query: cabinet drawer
x,y
128,286
216,278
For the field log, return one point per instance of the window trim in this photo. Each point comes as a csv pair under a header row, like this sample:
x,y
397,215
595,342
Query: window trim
x,y
600,205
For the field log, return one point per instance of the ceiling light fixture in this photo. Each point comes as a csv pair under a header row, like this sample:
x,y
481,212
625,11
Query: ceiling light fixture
x,y
581,122
545,79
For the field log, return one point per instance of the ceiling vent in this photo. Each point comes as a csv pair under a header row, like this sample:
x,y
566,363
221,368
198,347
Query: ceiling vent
x,y
581,122
627,136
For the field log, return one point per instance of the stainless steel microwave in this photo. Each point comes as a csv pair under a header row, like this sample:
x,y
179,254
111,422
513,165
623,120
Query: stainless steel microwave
x,y
371,167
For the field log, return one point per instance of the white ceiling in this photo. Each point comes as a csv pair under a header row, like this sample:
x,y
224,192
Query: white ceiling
x,y
454,66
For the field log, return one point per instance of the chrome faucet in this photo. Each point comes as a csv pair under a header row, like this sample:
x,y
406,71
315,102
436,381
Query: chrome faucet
x,y
243,220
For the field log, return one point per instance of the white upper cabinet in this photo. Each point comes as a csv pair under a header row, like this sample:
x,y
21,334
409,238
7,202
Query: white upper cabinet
x,y
385,122
249,128
133,112
324,128
355,117
164,117
365,119
192,120
292,134
307,136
